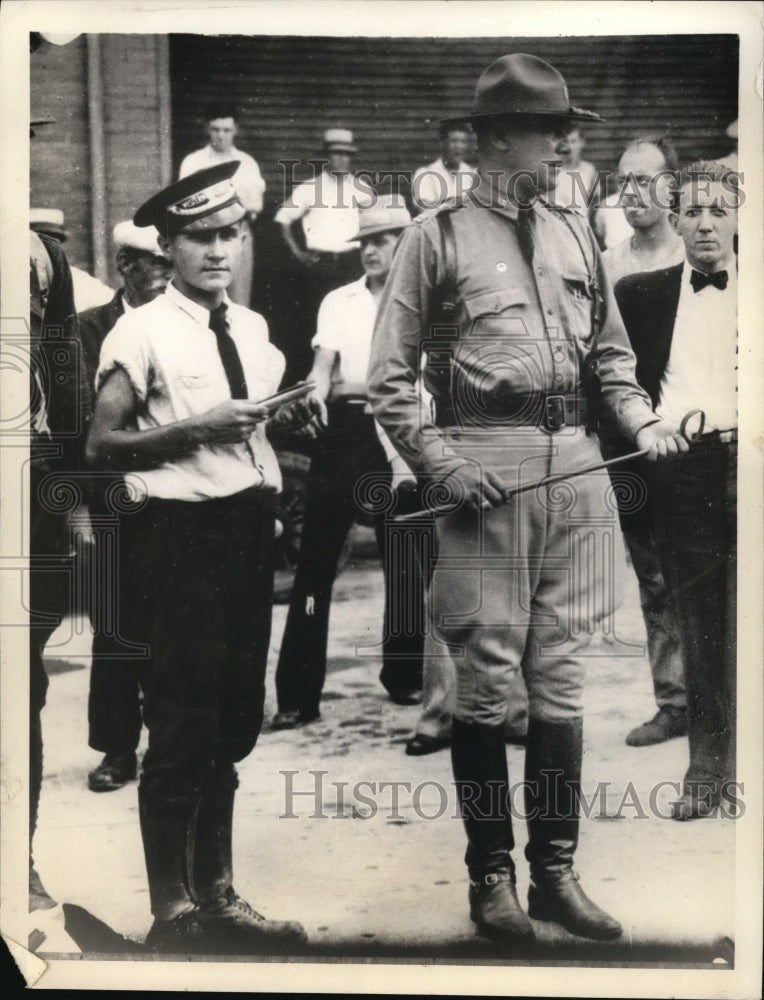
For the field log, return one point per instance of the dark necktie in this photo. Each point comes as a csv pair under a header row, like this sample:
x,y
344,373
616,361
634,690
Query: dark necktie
x,y
525,231
228,353
699,280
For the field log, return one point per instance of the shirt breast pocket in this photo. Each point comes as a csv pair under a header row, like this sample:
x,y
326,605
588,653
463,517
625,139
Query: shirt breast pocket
x,y
578,303
501,312
193,382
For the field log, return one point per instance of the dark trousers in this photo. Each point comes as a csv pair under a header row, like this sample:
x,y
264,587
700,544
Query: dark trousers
x,y
348,460
51,568
200,578
696,510
114,706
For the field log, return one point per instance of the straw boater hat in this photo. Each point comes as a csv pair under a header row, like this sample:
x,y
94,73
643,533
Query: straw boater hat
x,y
339,140
206,199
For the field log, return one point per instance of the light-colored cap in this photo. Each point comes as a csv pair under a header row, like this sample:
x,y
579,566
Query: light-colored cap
x,y
340,140
732,129
47,220
387,213
127,234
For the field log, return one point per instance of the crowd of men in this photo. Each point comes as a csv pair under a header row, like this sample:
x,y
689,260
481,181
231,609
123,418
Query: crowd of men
x,y
554,354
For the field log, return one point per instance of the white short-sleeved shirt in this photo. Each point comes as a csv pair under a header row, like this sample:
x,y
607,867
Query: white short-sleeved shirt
x,y
345,324
437,183
171,358
247,180
702,368
328,208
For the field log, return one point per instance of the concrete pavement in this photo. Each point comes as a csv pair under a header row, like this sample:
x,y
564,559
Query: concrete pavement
x,y
320,838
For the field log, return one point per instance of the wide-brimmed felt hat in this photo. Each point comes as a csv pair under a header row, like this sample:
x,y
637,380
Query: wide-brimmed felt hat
x,y
339,140
388,213
204,200
519,84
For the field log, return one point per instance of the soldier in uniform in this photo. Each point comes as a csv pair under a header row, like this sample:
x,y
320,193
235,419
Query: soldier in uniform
x,y
519,585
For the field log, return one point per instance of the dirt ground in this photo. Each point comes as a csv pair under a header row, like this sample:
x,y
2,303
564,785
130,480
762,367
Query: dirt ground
x,y
368,876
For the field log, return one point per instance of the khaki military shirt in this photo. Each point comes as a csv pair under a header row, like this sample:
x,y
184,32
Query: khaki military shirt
x,y
520,330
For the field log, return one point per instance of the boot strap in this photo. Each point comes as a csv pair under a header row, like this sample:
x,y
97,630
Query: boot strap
x,y
492,878
556,880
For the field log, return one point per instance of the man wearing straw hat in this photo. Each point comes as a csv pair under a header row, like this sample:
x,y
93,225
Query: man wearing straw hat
x,y
519,585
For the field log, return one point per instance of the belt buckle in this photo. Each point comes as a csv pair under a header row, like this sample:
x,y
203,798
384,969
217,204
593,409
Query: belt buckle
x,y
554,413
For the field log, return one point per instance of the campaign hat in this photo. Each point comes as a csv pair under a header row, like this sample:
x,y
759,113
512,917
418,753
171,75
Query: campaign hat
x,y
204,200
519,84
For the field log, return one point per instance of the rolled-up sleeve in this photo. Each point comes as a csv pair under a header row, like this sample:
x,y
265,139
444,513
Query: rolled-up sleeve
x,y
400,333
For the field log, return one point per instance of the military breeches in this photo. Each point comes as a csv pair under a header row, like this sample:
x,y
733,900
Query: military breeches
x,y
522,586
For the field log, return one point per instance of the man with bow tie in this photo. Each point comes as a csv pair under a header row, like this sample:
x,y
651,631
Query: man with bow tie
x,y
682,323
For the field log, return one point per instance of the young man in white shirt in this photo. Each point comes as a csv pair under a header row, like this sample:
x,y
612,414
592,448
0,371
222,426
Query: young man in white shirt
x,y
682,322
318,222
222,129
448,176
176,412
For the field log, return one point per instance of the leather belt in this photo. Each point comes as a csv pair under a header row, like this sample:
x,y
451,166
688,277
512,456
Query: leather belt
x,y
551,413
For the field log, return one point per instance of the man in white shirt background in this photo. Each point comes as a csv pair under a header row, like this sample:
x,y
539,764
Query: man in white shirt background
x,y
682,322
645,176
644,180
448,176
222,130
318,221
351,453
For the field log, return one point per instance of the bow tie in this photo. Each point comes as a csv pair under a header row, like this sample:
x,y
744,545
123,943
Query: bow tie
x,y
699,280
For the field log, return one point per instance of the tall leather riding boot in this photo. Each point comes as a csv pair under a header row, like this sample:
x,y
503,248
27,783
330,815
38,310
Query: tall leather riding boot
x,y
167,832
213,864
553,779
479,759
229,922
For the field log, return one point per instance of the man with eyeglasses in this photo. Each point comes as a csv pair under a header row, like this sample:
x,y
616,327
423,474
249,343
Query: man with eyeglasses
x,y
645,174
521,580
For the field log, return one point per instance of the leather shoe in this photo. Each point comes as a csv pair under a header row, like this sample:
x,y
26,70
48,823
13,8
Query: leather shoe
x,y
114,771
292,720
667,723
496,910
565,902
406,697
231,920
184,935
421,744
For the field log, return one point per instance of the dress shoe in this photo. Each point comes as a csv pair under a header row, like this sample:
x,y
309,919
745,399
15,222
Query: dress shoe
x,y
292,720
421,744
114,771
183,935
667,723
496,910
231,921
413,697
565,902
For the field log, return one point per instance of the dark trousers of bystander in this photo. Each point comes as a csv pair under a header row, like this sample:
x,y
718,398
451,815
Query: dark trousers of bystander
x,y
696,521
348,463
